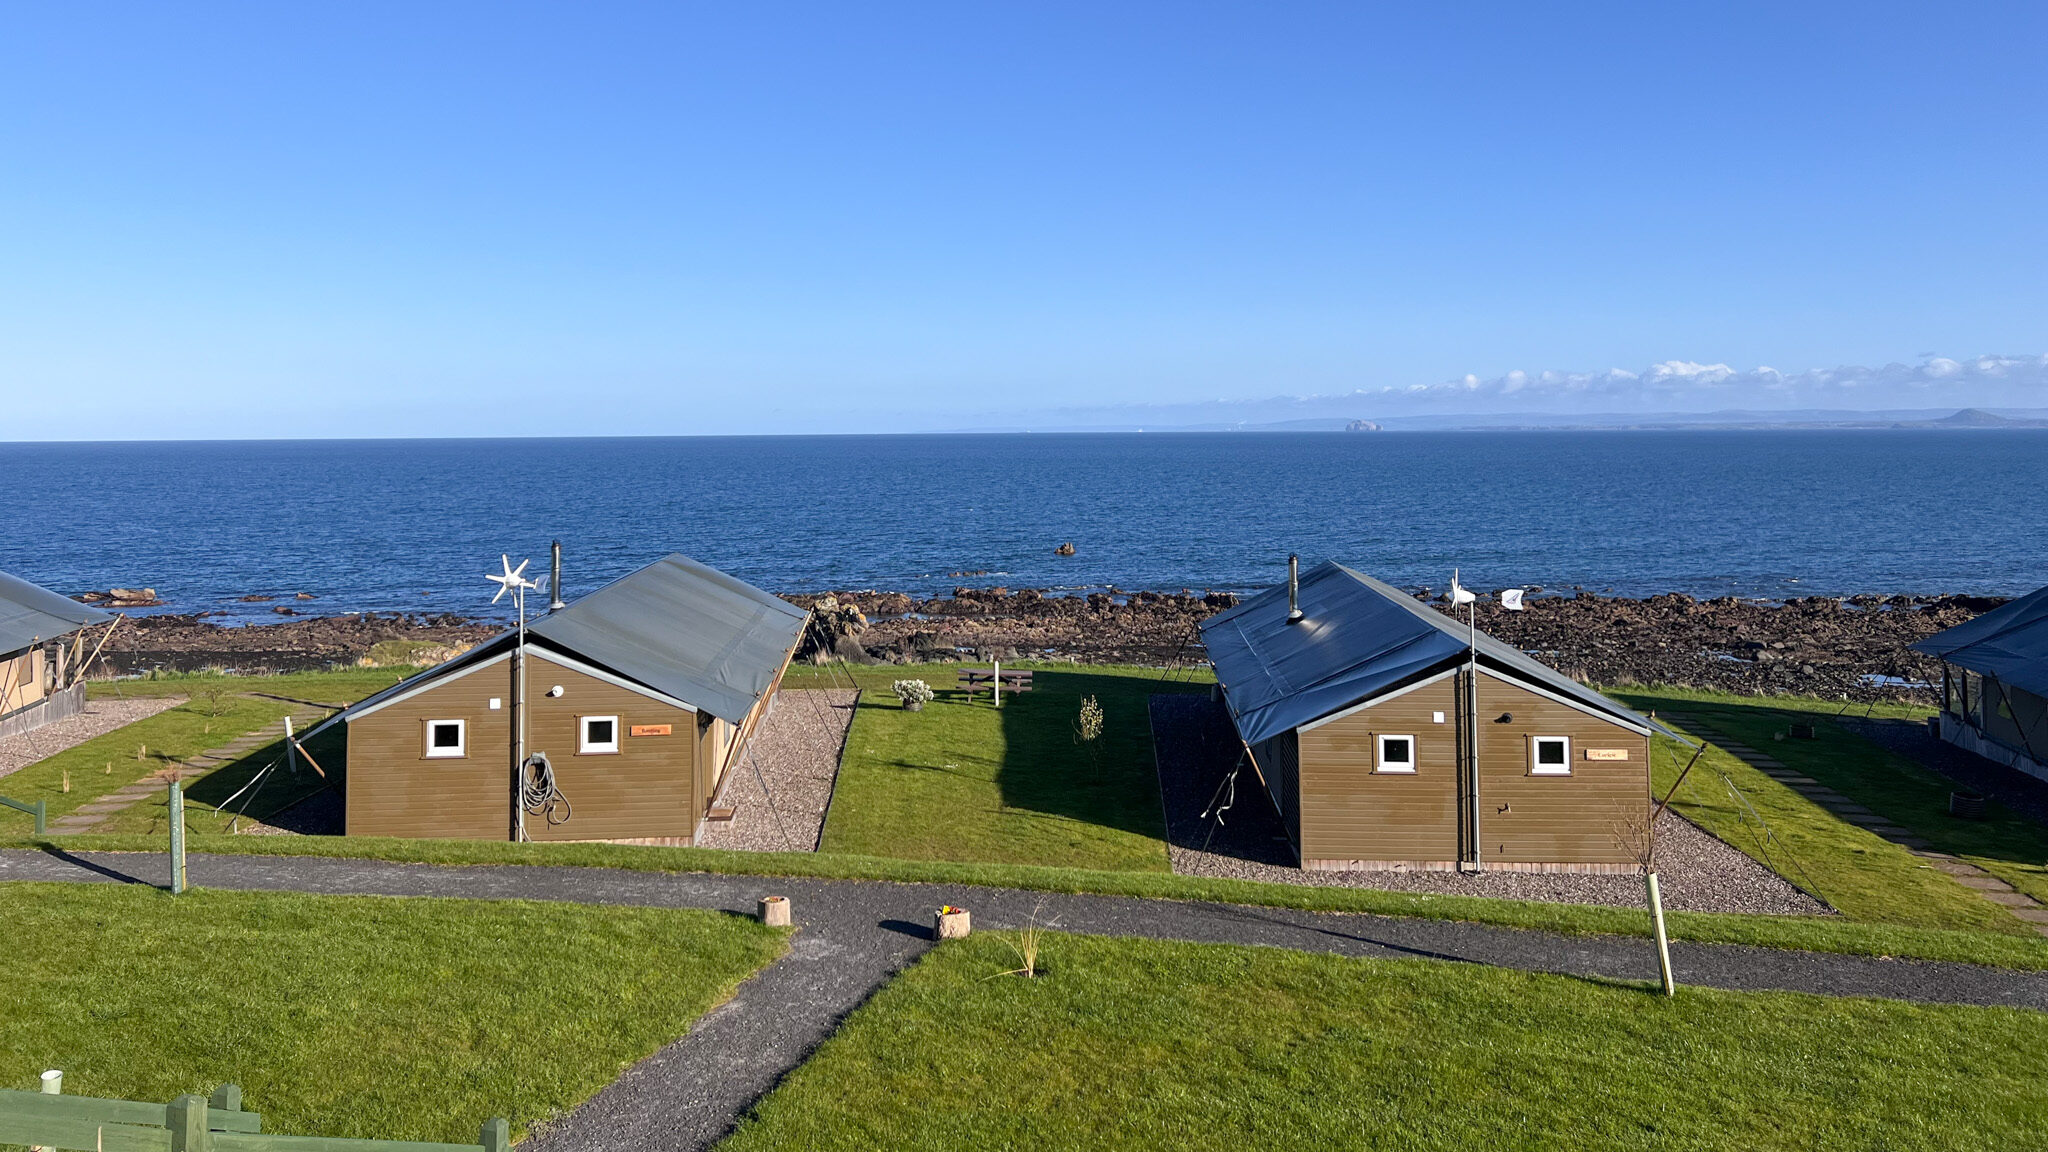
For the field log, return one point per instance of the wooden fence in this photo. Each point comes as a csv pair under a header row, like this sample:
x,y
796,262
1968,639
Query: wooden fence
x,y
35,810
187,1124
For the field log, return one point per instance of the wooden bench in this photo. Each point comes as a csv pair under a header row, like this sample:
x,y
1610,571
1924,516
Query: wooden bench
x,y
973,680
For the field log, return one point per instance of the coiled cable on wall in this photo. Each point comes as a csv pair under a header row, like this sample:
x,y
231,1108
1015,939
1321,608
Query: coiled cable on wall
x,y
537,791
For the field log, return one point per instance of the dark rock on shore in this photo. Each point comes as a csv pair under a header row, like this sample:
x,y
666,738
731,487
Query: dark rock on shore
x,y
1854,648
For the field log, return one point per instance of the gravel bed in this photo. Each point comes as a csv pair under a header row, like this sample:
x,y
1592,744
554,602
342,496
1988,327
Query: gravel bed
x,y
1196,747
99,718
797,753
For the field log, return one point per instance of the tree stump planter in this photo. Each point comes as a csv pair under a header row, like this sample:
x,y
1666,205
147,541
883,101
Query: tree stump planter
x,y
913,705
1802,732
775,911
950,923
1966,805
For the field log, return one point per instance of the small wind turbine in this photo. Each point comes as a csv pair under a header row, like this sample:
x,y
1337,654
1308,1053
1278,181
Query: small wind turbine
x,y
514,580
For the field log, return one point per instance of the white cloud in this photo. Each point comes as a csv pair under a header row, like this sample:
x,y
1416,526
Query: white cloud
x,y
1669,387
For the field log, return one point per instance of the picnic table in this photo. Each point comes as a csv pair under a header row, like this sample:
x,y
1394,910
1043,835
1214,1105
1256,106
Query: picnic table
x,y
973,680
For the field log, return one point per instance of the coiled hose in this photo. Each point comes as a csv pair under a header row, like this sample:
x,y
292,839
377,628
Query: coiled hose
x,y
537,791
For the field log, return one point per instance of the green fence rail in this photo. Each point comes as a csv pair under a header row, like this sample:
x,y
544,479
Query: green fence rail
x,y
187,1124
35,810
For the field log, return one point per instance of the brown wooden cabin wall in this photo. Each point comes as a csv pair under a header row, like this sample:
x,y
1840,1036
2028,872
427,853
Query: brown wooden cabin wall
x,y
645,790
1587,817
395,790
1350,812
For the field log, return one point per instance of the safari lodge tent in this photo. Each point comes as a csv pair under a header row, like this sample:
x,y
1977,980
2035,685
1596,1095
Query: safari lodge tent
x,y
641,696
38,671
1359,712
1994,683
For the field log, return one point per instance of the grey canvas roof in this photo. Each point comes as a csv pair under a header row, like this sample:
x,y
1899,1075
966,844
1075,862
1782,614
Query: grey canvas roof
x,y
2010,643
30,613
681,628
1357,639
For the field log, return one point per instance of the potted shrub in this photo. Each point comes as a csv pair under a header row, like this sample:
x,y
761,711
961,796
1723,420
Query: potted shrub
x,y
950,923
914,694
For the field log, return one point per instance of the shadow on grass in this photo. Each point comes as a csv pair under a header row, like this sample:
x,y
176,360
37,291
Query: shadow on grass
x,y
1048,769
283,798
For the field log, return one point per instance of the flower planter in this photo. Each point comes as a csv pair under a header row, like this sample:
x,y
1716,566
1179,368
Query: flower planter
x,y
1802,731
1966,805
913,705
950,924
775,911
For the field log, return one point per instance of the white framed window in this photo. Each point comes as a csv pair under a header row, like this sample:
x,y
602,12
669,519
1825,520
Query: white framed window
x,y
447,739
1550,755
1394,754
597,735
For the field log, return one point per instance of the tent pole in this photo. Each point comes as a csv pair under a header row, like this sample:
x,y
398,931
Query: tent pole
x,y
1472,718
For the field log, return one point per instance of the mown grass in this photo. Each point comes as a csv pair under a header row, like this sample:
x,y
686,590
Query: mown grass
x,y
1128,1044
1861,874
367,1017
965,781
1808,933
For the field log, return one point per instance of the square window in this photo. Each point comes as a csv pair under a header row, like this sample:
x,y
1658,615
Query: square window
x,y
597,734
1396,754
1550,756
447,739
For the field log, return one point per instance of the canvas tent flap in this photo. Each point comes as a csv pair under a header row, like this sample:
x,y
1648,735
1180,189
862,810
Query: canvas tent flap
x,y
2008,643
683,629
1357,638
30,614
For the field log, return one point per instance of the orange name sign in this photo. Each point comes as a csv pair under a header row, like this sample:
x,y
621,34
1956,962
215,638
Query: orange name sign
x,y
1606,753
651,729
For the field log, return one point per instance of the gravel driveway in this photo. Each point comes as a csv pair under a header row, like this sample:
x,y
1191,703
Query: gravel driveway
x,y
796,753
99,718
1195,746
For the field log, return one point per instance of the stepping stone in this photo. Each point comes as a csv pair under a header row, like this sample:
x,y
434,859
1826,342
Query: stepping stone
x,y
1984,883
99,807
2010,899
2032,915
1852,810
1888,831
1911,843
1954,867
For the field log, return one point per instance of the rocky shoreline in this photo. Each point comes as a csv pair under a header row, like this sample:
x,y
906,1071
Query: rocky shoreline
x,y
1854,648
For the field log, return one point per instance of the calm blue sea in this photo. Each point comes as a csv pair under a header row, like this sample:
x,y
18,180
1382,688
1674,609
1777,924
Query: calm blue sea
x,y
414,525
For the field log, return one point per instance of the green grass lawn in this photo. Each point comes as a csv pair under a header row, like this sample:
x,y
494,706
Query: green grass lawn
x,y
968,782
368,1017
1128,1044
218,709
1862,874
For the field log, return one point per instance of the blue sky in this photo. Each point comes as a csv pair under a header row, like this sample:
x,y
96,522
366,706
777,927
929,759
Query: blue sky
x,y
365,219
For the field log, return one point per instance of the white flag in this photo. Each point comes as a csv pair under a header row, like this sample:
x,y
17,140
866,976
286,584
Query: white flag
x,y
1458,593
1511,599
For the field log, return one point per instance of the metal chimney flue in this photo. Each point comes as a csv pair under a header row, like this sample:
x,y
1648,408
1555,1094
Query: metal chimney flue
x,y
555,578
1293,589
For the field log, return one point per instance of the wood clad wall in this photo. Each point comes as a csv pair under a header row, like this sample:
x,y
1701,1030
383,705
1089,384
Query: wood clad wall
x,y
394,790
645,790
1350,812
1575,819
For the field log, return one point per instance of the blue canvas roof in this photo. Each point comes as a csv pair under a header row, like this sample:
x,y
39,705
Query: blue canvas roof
x,y
2009,642
31,613
1358,638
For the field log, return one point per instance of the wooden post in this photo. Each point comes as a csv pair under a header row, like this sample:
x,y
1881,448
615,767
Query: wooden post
x,y
497,1135
291,744
187,1122
1663,944
226,1098
42,818
177,808
997,686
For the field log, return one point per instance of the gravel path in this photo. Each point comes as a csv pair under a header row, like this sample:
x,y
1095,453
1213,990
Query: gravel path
x,y
797,753
1195,748
99,718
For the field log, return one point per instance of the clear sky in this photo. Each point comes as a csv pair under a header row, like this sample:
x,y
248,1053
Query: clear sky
x,y
461,219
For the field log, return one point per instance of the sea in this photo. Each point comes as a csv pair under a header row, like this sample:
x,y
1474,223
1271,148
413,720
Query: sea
x,y
414,525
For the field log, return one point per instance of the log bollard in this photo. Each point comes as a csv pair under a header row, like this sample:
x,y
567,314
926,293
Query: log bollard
x,y
775,911
950,923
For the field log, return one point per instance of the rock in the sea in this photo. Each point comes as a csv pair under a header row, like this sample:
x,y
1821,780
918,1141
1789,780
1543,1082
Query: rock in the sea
x,y
1066,549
